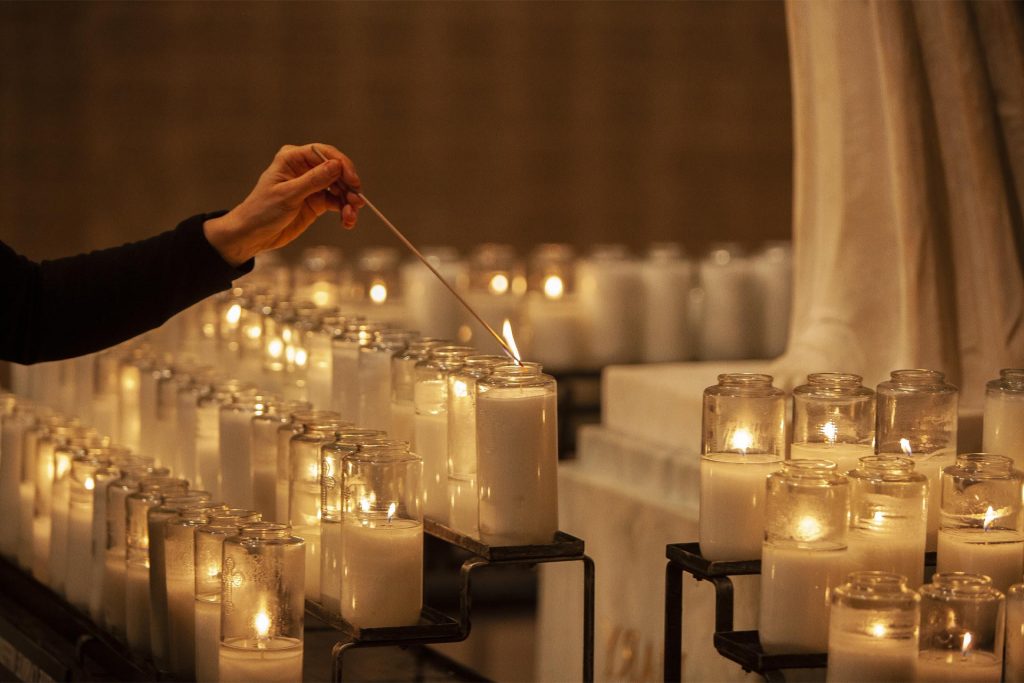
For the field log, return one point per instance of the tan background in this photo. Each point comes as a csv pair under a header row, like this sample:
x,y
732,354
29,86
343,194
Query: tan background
x,y
470,122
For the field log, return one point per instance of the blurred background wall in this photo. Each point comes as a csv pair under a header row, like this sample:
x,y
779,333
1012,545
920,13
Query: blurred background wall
x,y
469,122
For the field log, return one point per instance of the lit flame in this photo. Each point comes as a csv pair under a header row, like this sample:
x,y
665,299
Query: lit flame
x,y
808,529
506,332
90,484
742,439
321,295
262,623
878,630
253,332
391,511
498,284
830,431
878,518
301,356
966,646
905,446
378,293
314,470
275,348
990,516
554,288
460,389
364,505
234,314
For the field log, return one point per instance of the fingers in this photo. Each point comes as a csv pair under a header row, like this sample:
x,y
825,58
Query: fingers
x,y
349,176
313,181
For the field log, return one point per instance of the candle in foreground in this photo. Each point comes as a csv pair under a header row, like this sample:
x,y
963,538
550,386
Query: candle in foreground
x,y
382,537
961,630
742,442
103,478
873,629
1014,665
262,619
1004,416
79,547
517,455
834,419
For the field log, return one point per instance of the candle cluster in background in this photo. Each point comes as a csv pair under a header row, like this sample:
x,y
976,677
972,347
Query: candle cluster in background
x,y
872,479
269,472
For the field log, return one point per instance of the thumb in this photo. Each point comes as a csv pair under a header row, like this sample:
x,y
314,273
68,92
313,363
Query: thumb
x,y
314,180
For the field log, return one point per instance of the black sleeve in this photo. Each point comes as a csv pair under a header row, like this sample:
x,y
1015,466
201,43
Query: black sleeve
x,y
80,304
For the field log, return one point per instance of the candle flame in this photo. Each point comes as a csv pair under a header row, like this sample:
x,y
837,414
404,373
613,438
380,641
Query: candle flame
x,y
830,431
378,293
878,630
905,446
506,332
808,529
499,283
966,647
460,389
742,440
990,516
275,347
234,314
253,332
262,623
364,504
878,518
301,357
554,288
90,484
321,294
391,511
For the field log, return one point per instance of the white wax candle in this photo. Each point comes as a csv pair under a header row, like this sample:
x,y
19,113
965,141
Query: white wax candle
x,y
463,505
168,452
1014,665
26,516
732,498
137,608
11,447
311,534
1003,431
181,624
846,456
157,521
278,661
207,640
382,572
208,449
319,375
797,582
430,307
149,434
374,398
235,457
99,548
129,418
432,446
41,549
996,554
403,416
609,291
854,658
931,466
888,552
79,560
264,467
345,380
104,411
114,591
946,666
188,426
666,282
517,462
553,332
330,566
772,275
58,568
728,309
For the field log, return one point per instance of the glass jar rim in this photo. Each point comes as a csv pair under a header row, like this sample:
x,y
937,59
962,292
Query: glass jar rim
x,y
887,463
387,451
876,585
264,530
1010,379
984,465
957,585
745,379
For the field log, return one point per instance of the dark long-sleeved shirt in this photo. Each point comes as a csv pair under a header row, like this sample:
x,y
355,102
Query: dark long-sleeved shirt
x,y
80,304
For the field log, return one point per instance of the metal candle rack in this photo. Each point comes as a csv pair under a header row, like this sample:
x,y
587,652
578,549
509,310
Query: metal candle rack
x,y
437,627
742,647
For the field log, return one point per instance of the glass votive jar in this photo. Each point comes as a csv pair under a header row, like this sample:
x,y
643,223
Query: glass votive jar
x,y
517,455
319,275
403,383
103,478
743,440
209,550
291,425
263,447
45,475
235,434
804,555
79,536
552,316
430,396
916,416
873,629
276,333
318,346
430,307
15,424
382,536
727,321
376,278
375,377
208,442
888,517
63,459
982,529
262,603
961,639
833,418
1013,669
1003,431
496,283
345,366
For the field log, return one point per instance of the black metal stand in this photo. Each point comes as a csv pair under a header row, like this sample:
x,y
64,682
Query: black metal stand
x,y
436,627
742,647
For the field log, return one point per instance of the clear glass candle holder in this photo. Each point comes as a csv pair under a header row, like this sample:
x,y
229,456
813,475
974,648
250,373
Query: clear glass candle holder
x,y
382,536
430,396
833,418
888,517
962,618
208,443
1003,431
263,604
376,278
263,444
374,400
916,416
873,629
79,535
517,455
982,526
291,424
345,366
64,456
320,275
319,386
1013,671
743,441
235,431
403,383
804,554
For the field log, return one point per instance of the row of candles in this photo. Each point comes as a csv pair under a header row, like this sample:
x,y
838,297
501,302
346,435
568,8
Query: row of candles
x,y
731,303
872,480
467,439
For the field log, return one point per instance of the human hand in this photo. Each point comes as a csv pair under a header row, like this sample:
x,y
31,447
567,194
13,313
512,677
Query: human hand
x,y
295,189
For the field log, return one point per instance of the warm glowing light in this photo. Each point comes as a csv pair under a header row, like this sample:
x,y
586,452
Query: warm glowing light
x,y
213,570
391,511
506,332
364,504
498,284
742,440
275,348
878,630
234,314
830,431
378,293
554,288
460,389
966,646
253,332
301,356
321,295
313,470
878,518
90,484
990,516
808,529
905,447
262,623
519,285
